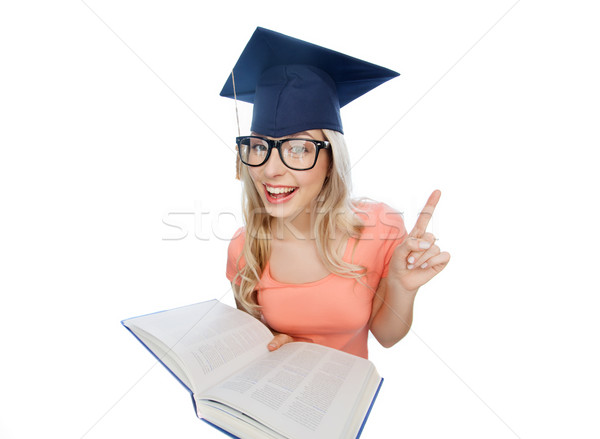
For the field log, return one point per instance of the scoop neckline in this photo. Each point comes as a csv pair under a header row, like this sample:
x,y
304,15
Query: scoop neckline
x,y
267,270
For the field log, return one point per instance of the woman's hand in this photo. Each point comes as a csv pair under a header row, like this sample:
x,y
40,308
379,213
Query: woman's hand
x,y
418,259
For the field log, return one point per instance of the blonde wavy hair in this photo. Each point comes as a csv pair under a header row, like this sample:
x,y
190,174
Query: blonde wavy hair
x,y
335,214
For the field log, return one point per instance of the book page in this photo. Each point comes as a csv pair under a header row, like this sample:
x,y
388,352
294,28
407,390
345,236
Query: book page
x,y
209,340
301,390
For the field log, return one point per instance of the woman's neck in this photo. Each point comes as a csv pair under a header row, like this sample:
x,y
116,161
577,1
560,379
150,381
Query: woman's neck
x,y
294,228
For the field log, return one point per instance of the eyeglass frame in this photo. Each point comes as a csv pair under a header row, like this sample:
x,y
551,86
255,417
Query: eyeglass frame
x,y
276,144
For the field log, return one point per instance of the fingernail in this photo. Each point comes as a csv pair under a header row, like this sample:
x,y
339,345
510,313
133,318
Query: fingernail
x,y
424,245
272,345
424,265
411,260
410,267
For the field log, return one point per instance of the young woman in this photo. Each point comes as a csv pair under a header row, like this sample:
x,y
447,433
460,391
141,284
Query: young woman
x,y
312,263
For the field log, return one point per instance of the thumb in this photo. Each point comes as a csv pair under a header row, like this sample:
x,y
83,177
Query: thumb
x,y
278,341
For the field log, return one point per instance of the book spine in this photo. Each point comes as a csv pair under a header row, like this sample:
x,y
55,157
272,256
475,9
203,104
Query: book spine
x,y
160,361
369,411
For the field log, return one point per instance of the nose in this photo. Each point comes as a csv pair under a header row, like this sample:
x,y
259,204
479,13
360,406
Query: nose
x,y
274,165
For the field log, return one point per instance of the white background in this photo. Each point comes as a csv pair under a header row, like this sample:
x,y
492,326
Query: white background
x,y
111,127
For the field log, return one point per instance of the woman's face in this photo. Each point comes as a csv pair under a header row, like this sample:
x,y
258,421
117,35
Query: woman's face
x,y
303,186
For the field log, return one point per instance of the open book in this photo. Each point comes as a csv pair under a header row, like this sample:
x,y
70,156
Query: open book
x,y
220,355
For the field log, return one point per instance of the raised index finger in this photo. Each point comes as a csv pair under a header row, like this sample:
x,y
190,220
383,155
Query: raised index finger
x,y
425,215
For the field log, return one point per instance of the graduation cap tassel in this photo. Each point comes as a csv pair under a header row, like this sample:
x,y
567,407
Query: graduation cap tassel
x,y
237,118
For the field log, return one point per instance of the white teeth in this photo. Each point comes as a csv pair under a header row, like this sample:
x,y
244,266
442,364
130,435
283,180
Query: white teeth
x,y
279,190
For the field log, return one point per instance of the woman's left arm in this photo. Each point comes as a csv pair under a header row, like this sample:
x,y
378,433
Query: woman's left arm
x,y
414,263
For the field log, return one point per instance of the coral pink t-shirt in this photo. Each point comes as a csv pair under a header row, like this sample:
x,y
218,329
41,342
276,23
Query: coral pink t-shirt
x,y
333,311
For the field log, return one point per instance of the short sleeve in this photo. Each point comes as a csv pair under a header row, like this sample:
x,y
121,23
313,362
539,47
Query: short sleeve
x,y
393,233
235,260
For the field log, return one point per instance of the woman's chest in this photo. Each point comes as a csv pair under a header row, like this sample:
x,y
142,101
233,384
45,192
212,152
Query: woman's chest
x,y
330,305
299,262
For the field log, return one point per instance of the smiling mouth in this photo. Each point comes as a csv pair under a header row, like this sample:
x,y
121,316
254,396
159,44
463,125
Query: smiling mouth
x,y
280,193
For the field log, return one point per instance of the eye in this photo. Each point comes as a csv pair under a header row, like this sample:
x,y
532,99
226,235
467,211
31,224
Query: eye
x,y
258,147
298,147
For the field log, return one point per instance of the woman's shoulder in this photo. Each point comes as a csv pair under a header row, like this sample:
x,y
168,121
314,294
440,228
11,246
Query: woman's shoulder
x,y
239,233
367,208
237,241
235,259
379,217
238,237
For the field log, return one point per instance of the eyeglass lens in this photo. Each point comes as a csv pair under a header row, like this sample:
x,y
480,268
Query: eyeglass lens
x,y
298,154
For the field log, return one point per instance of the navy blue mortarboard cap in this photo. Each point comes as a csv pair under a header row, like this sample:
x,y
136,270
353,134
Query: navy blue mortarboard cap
x,y
297,86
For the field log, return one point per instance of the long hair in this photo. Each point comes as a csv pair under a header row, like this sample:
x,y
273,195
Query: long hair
x,y
334,213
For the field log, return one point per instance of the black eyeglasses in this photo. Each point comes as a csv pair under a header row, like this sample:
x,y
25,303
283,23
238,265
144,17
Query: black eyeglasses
x,y
296,154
